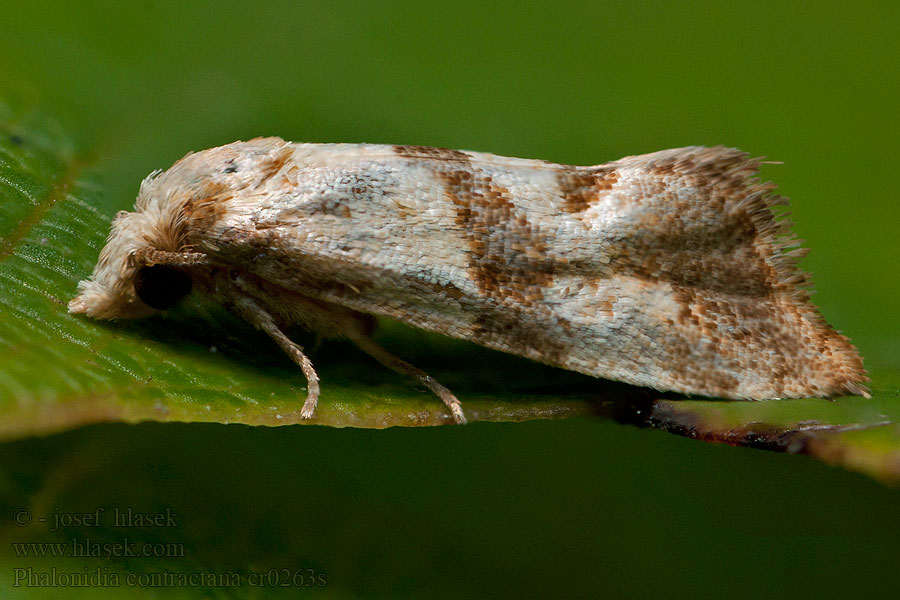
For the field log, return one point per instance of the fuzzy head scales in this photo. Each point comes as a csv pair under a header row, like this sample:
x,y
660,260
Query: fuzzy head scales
x,y
158,221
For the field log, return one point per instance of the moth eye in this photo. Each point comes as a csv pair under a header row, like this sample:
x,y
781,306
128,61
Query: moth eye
x,y
160,286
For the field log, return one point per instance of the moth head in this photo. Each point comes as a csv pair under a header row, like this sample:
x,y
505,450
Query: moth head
x,y
123,287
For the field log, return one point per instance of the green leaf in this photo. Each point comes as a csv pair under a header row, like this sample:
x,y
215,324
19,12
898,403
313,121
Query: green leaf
x,y
200,364
862,434
551,508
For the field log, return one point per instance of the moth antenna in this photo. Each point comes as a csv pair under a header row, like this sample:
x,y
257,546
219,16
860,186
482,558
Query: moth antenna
x,y
147,257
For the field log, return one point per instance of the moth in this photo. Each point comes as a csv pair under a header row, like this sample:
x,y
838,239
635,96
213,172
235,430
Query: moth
x,y
669,270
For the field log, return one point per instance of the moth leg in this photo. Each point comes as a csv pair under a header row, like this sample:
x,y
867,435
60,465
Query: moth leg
x,y
340,321
368,345
261,319
147,257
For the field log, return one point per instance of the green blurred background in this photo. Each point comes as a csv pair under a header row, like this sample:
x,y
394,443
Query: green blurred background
x,y
546,508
